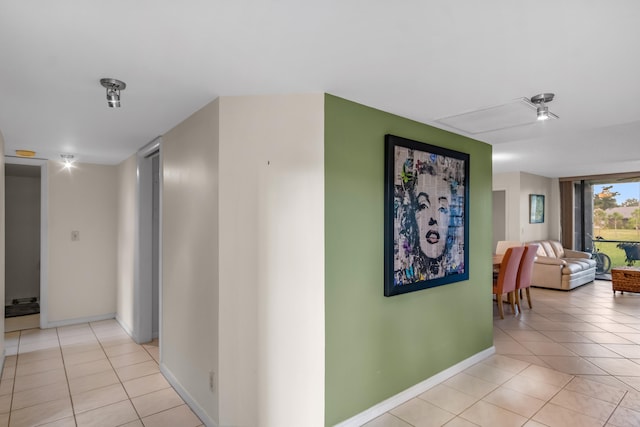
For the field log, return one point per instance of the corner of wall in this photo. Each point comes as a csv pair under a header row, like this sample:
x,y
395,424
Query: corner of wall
x,y
126,232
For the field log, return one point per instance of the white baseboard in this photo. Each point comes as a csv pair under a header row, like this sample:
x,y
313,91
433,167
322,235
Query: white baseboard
x,y
413,391
197,409
4,357
78,320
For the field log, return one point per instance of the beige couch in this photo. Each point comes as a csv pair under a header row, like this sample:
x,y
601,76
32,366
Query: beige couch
x,y
559,268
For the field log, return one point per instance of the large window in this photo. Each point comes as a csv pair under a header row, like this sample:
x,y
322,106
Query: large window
x,y
605,218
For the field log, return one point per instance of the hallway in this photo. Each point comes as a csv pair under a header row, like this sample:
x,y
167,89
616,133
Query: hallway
x,y
86,375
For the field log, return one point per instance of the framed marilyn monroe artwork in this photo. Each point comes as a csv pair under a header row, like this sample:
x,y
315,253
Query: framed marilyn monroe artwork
x,y
426,211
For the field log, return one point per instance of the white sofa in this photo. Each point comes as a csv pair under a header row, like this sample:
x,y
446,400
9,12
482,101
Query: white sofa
x,y
559,268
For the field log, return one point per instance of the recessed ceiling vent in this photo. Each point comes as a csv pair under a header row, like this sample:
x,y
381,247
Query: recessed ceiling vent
x,y
519,112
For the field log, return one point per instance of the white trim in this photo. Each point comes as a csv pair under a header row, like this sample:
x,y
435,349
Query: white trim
x,y
142,301
413,391
78,320
190,401
44,244
161,191
151,147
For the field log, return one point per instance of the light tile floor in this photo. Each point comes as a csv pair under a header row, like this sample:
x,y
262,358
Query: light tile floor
x,y
573,360
92,374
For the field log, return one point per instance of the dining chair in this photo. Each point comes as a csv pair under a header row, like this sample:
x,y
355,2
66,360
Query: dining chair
x,y
525,273
501,248
505,283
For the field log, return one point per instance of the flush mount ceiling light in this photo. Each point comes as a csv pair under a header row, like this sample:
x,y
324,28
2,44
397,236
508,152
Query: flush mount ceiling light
x,y
113,91
67,159
542,110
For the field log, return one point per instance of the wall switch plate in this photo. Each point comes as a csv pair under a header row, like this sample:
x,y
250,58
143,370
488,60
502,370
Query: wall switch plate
x,y
75,236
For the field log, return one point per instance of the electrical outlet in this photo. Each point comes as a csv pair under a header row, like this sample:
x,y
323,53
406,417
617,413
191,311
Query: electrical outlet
x,y
212,381
75,236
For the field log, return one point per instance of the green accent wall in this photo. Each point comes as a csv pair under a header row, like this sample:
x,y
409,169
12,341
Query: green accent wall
x,y
378,346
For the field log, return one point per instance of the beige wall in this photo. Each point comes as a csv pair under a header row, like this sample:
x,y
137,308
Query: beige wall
x,y
272,260
2,234
82,274
189,329
535,184
518,186
243,259
127,219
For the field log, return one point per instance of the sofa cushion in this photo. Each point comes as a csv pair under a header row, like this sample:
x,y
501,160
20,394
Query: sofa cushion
x,y
550,248
575,265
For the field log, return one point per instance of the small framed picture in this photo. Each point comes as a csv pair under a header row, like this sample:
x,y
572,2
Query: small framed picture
x,y
536,208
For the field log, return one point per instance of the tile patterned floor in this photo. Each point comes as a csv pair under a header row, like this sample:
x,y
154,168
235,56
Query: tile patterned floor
x,y
573,360
86,375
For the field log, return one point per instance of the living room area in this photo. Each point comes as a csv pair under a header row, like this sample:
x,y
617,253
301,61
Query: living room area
x,y
570,357
579,343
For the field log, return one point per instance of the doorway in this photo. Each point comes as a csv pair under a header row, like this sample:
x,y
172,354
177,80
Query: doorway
x,y
25,240
499,217
147,293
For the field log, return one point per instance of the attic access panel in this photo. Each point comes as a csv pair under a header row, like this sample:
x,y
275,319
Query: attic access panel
x,y
519,112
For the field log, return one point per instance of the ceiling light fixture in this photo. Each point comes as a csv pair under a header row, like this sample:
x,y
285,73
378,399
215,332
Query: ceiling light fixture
x,y
540,100
113,87
67,159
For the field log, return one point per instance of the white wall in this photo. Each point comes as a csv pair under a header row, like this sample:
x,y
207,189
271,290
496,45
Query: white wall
x,y
127,219
243,259
510,183
518,187
272,260
22,275
189,328
82,274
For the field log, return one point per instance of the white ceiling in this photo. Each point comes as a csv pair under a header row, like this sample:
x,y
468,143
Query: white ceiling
x,y
420,59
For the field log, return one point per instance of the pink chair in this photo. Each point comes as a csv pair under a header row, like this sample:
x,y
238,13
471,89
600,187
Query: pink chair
x,y
525,273
505,283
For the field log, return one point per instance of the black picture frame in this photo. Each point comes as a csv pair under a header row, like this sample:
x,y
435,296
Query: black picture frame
x,y
536,208
426,210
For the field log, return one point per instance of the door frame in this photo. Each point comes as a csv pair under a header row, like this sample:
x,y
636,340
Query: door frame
x,y
44,231
143,270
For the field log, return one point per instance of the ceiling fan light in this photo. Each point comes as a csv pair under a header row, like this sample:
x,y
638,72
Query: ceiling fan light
x,y
113,98
542,111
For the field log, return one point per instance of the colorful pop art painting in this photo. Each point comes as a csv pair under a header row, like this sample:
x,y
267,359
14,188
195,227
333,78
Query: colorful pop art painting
x,y
426,210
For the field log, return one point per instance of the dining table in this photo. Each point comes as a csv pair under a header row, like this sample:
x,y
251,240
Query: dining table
x,y
497,260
